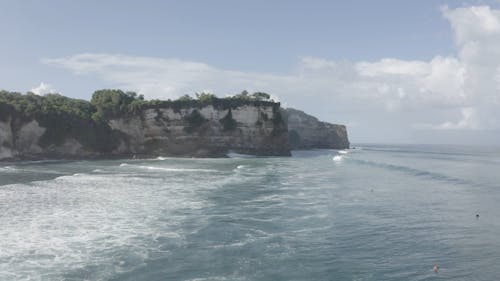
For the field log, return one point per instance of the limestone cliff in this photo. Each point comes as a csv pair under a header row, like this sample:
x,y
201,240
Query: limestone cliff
x,y
204,132
307,132
200,131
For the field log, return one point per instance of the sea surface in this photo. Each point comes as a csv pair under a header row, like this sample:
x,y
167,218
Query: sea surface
x,y
377,212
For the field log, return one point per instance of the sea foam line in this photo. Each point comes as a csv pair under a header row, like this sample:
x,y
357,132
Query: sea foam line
x,y
167,169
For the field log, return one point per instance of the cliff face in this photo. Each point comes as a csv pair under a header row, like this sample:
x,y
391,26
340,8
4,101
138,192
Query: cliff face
x,y
203,131
307,132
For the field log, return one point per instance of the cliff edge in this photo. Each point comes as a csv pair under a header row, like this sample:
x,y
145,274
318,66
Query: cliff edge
x,y
307,132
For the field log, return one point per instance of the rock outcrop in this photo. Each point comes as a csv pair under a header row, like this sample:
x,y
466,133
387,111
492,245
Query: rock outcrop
x,y
307,132
200,131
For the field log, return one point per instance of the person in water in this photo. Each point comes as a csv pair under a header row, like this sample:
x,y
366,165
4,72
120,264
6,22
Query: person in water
x,y
436,268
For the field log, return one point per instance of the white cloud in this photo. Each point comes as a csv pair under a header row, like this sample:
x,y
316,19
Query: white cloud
x,y
469,121
479,22
392,67
157,77
43,89
392,82
467,83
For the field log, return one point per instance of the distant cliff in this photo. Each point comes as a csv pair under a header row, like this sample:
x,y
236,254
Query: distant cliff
x,y
119,124
307,132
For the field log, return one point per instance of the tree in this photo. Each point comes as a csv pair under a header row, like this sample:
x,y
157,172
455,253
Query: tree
x,y
116,103
205,97
261,96
185,98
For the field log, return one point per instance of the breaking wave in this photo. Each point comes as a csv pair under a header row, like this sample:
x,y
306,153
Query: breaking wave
x,y
238,155
337,158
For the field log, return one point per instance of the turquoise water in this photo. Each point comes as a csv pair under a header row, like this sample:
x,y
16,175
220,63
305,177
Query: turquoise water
x,y
373,213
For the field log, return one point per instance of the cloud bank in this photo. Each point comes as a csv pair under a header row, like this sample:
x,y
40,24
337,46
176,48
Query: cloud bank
x,y
454,92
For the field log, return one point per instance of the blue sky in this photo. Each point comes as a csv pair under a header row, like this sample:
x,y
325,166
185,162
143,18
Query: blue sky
x,y
387,69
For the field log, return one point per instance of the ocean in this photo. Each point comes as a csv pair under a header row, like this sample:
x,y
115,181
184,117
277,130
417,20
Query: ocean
x,y
377,212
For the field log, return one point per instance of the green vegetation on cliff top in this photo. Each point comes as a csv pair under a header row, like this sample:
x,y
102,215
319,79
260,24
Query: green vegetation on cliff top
x,y
116,103
108,104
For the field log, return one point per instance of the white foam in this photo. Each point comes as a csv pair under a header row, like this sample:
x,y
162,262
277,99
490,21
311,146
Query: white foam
x,y
71,177
8,168
343,151
55,226
166,169
238,155
239,168
161,158
337,158
172,169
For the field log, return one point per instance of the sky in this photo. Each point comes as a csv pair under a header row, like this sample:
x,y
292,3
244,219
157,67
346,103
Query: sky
x,y
393,71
